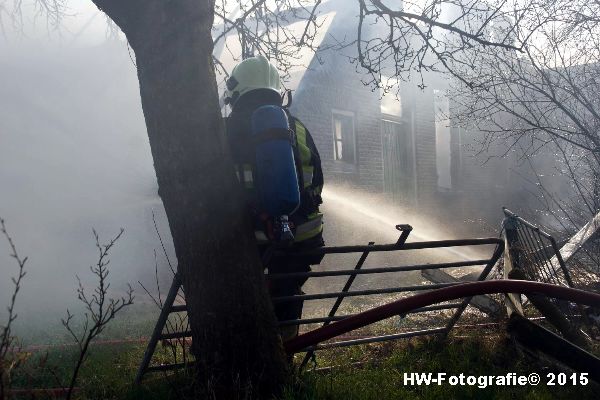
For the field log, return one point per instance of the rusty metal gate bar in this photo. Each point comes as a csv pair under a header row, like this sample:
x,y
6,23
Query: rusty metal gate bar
x,y
404,232
168,306
400,245
157,333
309,354
462,290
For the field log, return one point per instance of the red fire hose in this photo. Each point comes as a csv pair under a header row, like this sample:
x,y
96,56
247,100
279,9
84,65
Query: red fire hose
x,y
436,296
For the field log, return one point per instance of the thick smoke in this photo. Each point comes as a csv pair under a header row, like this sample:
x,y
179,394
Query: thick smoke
x,y
74,155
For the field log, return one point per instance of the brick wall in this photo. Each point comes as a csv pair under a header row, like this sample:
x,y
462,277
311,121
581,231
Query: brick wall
x,y
477,190
335,85
485,182
425,145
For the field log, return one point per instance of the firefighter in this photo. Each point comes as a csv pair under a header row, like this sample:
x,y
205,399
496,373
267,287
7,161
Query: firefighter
x,y
253,83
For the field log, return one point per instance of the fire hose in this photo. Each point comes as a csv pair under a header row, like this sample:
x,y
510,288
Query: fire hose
x,y
405,305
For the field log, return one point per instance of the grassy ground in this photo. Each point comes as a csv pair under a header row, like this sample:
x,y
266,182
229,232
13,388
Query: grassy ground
x,y
46,329
381,377
110,371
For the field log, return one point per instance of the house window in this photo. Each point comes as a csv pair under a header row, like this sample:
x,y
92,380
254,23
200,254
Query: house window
x,y
344,148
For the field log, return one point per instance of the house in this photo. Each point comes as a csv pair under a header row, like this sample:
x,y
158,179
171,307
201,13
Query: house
x,y
377,144
398,144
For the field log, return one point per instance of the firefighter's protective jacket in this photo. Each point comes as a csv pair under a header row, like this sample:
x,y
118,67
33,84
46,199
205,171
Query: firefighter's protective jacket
x,y
307,219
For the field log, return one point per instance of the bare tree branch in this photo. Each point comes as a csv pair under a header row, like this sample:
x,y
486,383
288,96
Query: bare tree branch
x,y
99,308
8,361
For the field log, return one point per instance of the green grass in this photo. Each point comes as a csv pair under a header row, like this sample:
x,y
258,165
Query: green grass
x,y
107,374
133,322
110,370
381,377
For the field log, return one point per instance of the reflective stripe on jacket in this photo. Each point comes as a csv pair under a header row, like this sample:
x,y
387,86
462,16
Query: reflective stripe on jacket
x,y
244,174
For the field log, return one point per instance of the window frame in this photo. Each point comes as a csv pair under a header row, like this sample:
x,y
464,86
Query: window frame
x,y
352,115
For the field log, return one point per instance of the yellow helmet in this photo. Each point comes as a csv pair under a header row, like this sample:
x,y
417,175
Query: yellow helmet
x,y
251,74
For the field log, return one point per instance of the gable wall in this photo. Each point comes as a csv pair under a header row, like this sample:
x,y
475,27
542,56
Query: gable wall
x,y
335,85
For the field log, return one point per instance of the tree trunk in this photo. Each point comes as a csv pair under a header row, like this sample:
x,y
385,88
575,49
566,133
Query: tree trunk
x,y
234,336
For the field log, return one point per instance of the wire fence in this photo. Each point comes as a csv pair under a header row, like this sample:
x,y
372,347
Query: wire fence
x,y
539,259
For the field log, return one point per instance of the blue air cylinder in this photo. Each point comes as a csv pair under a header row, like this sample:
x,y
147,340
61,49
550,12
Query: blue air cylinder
x,y
275,179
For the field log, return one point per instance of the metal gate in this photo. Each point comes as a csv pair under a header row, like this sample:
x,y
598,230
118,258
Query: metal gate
x,y
486,264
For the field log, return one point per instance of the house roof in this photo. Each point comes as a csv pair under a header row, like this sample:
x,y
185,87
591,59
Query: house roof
x,y
228,50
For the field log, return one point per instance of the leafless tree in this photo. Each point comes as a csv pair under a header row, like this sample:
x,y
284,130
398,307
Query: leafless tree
x,y
542,103
235,340
177,322
9,357
410,38
49,11
99,308
266,27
